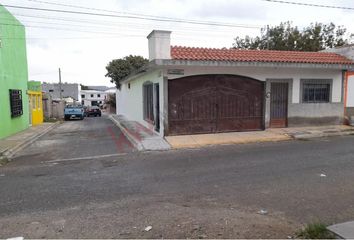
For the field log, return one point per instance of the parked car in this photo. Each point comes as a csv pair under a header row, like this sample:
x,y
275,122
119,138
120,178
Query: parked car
x,y
74,112
93,111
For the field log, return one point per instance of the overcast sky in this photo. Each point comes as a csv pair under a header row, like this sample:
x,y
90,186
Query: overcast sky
x,y
83,45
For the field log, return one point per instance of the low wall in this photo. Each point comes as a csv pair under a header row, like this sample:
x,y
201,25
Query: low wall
x,y
306,114
53,108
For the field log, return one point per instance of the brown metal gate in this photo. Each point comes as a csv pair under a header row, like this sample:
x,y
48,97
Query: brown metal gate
x,y
279,104
215,103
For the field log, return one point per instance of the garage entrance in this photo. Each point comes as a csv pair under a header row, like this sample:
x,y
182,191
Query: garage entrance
x,y
215,103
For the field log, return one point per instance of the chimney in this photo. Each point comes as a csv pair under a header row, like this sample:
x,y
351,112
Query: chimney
x,y
159,45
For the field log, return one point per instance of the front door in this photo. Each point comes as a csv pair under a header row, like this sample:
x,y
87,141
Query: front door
x,y
279,105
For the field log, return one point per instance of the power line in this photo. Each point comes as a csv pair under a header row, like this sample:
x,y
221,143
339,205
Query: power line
x,y
104,23
68,38
62,29
58,24
136,17
127,25
310,4
143,25
97,22
100,9
128,13
85,29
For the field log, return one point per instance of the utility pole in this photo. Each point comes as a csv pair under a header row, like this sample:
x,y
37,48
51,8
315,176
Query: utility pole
x,y
268,36
60,91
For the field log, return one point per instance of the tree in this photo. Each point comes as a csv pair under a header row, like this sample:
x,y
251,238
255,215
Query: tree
x,y
315,37
111,100
118,69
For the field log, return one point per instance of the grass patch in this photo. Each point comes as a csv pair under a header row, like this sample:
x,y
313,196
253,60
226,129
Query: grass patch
x,y
51,120
3,161
315,231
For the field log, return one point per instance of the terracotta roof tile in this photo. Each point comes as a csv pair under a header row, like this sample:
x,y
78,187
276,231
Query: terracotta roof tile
x,y
237,55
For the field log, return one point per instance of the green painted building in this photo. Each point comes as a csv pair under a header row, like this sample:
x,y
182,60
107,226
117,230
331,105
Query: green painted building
x,y
14,115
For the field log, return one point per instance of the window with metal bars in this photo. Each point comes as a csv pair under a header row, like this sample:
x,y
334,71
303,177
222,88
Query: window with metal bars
x,y
148,100
316,93
16,103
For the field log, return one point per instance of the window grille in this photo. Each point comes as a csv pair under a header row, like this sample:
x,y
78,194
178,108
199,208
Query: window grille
x,y
16,103
316,93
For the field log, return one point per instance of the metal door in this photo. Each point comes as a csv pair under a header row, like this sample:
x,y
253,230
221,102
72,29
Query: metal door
x,y
279,104
215,103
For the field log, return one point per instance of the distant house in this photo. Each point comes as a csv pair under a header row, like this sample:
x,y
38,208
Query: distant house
x,y
93,97
68,90
185,90
13,76
96,95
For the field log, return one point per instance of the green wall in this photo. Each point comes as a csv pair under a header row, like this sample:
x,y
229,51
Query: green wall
x,y
13,72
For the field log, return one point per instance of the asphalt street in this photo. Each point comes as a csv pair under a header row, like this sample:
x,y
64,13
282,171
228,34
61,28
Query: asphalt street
x,y
54,189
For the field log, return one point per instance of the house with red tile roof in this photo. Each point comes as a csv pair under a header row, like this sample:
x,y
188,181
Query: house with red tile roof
x,y
186,90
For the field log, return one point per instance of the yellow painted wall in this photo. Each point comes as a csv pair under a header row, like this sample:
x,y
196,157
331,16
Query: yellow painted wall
x,y
35,107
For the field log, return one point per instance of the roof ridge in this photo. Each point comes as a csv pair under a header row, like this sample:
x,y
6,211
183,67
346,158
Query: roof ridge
x,y
255,50
246,55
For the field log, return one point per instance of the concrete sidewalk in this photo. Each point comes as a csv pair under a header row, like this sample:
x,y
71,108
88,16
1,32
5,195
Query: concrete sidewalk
x,y
11,145
146,139
269,135
343,230
141,137
200,140
316,132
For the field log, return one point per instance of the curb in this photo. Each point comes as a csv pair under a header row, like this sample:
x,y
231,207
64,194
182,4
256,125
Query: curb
x,y
10,152
138,145
321,135
229,143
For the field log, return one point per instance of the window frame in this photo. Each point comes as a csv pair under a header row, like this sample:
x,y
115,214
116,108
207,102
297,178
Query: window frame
x,y
16,102
316,82
148,102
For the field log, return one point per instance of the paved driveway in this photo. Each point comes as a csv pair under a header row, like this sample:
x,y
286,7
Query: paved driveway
x,y
92,137
213,192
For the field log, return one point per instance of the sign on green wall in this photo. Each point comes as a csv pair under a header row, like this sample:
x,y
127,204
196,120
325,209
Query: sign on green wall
x,y
34,86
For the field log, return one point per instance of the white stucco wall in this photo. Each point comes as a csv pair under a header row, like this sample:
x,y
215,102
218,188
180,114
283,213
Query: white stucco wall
x,y
159,45
130,101
102,95
263,74
350,89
